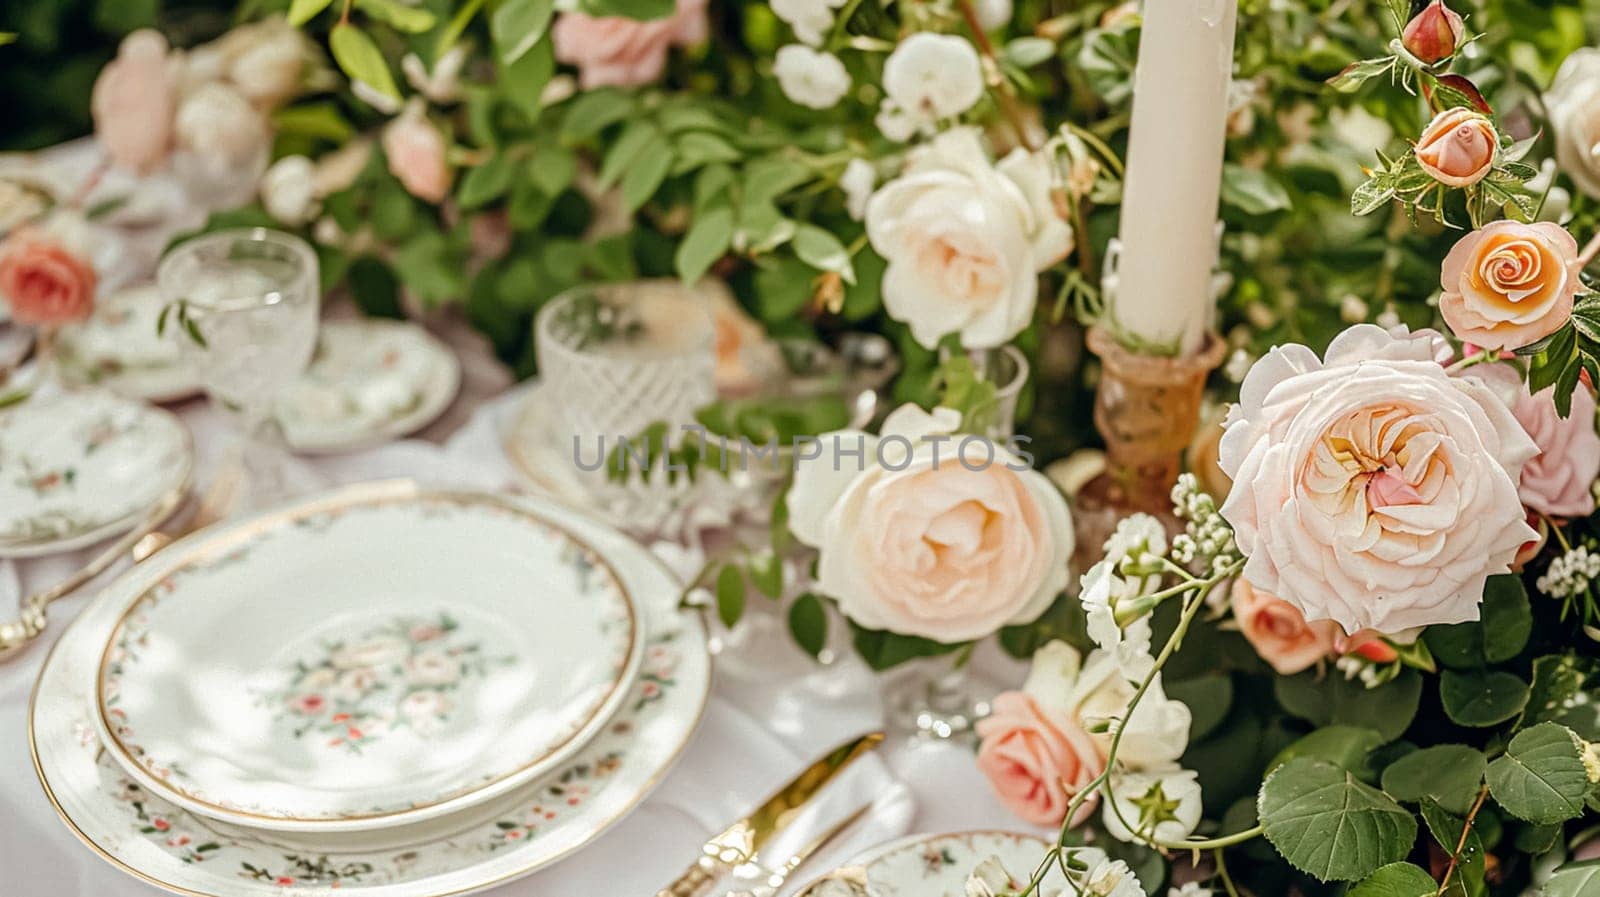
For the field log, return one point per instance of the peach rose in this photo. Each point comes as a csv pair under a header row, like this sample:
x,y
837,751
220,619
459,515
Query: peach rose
x,y
1370,487
1434,33
416,153
1510,284
1556,482
923,534
1036,759
746,357
1458,147
1279,631
44,280
134,101
625,52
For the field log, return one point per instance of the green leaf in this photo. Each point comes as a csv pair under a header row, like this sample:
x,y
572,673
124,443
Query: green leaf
x,y
361,59
1574,880
1251,191
1396,880
1498,637
885,650
706,241
1346,747
638,137
410,20
697,148
1329,825
485,183
1358,73
1370,196
1208,699
1448,831
628,9
594,110
375,288
1027,52
644,178
1447,773
730,595
766,574
517,25
808,623
1558,680
823,251
1541,777
1482,698
320,120
524,80
303,11
1325,700
552,169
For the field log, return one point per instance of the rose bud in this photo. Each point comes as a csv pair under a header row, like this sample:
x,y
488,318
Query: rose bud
x,y
1458,147
1435,33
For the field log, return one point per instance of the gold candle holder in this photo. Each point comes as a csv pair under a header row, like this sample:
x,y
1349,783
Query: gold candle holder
x,y
1147,408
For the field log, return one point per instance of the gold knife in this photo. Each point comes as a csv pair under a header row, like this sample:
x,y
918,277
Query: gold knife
x,y
742,841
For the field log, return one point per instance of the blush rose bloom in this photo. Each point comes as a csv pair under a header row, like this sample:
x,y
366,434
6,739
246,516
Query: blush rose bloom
x,y
1279,631
1371,488
1458,147
1574,105
965,239
914,541
624,52
44,278
416,153
1510,284
1557,482
134,101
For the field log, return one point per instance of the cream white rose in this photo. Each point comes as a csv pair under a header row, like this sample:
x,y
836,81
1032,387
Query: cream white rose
x,y
1093,692
933,76
1369,487
1130,790
812,78
965,240
1573,102
289,190
920,540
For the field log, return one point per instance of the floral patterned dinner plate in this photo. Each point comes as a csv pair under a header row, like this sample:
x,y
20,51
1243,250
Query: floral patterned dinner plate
x,y
119,349
78,467
935,866
534,825
365,661
371,381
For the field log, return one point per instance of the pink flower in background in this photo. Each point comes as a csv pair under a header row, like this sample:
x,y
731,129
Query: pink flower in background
x,y
46,283
625,52
134,102
1557,481
1279,631
1036,759
416,152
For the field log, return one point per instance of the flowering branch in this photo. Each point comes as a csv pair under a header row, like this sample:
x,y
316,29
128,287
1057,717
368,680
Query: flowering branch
x,y
997,81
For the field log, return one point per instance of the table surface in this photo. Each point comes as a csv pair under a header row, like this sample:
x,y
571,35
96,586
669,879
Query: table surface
x,y
766,719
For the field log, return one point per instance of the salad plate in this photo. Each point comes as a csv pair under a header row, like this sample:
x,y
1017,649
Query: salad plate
x,y
118,348
371,380
935,866
169,847
364,661
79,467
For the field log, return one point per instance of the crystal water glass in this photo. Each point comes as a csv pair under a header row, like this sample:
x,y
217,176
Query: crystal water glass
x,y
244,304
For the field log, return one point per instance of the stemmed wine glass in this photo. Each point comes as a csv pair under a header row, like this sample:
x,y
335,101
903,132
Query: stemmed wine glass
x,y
244,304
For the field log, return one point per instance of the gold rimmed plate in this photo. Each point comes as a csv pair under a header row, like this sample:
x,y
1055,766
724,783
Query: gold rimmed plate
x,y
365,660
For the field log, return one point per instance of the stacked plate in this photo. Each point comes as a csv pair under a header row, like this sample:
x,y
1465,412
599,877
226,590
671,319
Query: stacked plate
x,y
382,690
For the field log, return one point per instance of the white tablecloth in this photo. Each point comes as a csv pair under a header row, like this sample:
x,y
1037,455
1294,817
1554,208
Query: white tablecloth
x,y
765,721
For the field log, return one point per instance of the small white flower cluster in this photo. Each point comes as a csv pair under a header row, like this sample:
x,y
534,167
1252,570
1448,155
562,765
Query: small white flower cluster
x,y
1354,666
1092,874
1207,540
1111,589
1570,574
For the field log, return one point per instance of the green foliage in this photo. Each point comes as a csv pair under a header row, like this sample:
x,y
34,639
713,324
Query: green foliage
x,y
1346,747
730,594
1329,825
1447,774
808,623
1482,698
1396,880
1329,699
1541,777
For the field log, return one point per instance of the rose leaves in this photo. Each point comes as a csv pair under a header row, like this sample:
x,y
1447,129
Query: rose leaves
x,y
1328,824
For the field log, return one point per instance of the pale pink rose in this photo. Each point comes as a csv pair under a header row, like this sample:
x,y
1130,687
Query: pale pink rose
x,y
1036,759
416,153
45,282
1510,284
1370,487
134,102
1279,631
914,541
1458,147
1556,482
614,50
747,357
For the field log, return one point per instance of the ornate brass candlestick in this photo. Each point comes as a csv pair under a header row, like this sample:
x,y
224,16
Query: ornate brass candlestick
x,y
1146,408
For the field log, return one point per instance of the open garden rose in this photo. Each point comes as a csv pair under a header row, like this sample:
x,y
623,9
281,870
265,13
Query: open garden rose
x,y
415,150
1510,284
1279,631
1370,487
624,52
1036,758
965,239
45,274
811,78
1558,481
933,76
265,60
134,101
1458,147
1573,103
920,540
